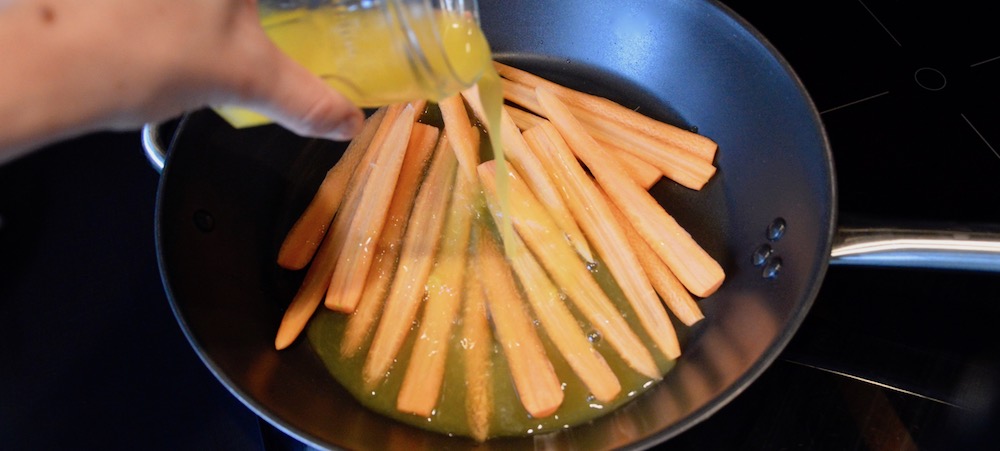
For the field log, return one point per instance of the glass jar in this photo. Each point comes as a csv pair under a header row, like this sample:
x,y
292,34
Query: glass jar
x,y
378,52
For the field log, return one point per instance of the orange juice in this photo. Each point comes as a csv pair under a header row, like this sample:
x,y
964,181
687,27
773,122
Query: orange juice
x,y
389,53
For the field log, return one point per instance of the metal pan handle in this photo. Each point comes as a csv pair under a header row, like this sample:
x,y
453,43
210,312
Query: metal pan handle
x,y
153,146
977,250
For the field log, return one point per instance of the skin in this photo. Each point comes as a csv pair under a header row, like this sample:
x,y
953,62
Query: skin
x,y
71,67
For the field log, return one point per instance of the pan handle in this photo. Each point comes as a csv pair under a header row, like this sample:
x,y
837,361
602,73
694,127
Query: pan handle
x,y
153,146
976,250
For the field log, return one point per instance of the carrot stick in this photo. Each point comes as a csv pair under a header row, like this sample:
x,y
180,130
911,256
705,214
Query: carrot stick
x,y
425,372
674,163
317,278
523,95
522,118
356,259
541,184
477,347
644,173
422,143
699,145
597,219
671,290
561,326
305,235
535,380
697,270
533,223
415,263
463,137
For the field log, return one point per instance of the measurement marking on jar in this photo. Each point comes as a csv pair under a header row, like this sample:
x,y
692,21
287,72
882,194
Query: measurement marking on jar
x,y
980,135
854,102
880,23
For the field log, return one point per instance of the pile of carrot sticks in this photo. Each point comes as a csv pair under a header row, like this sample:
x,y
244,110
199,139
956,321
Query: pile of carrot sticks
x,y
402,231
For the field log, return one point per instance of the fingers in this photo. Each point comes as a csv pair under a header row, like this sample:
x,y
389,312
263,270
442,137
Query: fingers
x,y
301,102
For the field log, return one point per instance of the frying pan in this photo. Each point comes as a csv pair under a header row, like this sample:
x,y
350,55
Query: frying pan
x,y
227,197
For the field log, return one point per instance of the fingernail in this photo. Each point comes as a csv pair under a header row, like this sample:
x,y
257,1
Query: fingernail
x,y
347,129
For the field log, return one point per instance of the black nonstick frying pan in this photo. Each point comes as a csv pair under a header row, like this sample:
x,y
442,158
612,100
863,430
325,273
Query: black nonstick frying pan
x,y
227,197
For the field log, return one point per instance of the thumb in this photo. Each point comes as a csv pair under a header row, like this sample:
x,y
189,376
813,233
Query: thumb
x,y
301,102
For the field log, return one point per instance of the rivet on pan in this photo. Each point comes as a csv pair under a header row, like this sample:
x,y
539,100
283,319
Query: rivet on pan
x,y
204,221
761,254
772,268
776,230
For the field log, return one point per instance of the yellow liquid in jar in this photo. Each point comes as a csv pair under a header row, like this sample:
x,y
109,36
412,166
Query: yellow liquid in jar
x,y
367,56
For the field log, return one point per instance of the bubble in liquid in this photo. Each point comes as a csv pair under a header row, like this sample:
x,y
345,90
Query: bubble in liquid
x,y
594,336
592,266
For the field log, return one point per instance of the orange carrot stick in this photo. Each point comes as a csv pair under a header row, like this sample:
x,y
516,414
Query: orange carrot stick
x,y
356,257
425,372
462,133
533,223
699,272
415,263
423,140
597,219
671,290
305,235
644,173
318,275
698,145
527,164
477,349
561,326
522,118
680,166
535,380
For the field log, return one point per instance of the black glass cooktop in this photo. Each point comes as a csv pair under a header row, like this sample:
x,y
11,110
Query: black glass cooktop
x,y
888,359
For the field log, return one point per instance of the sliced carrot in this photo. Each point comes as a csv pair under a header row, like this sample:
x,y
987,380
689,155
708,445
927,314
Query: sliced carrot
x,y
303,238
356,257
699,272
533,223
463,135
425,372
423,140
643,172
538,387
522,118
477,348
698,145
676,164
317,278
592,211
415,263
671,290
541,184
561,326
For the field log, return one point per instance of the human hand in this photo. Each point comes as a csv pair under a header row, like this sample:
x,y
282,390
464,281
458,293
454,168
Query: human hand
x,y
114,65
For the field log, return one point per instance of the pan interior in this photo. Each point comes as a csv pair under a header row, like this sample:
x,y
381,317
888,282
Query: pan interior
x,y
227,197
